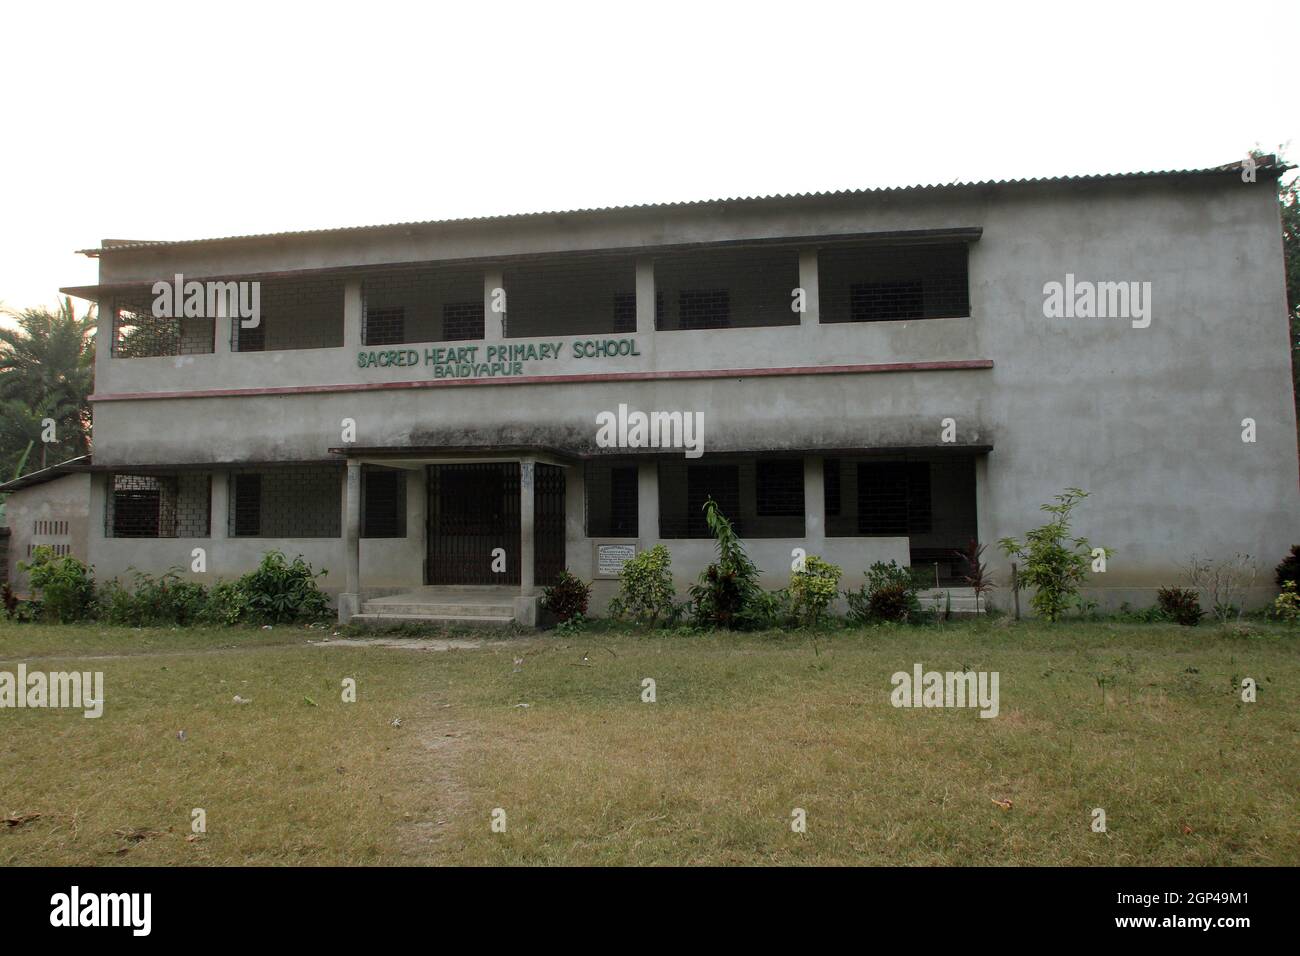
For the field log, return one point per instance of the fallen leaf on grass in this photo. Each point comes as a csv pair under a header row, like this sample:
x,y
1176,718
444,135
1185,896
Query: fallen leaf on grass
x,y
18,819
1004,804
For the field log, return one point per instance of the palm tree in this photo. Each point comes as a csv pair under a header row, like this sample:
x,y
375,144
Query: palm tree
x,y
47,365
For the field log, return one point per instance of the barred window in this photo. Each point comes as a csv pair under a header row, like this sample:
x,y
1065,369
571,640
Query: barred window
x,y
138,333
625,312
158,506
303,313
612,499
573,296
894,498
297,501
726,288
422,304
462,321
779,487
383,502
865,283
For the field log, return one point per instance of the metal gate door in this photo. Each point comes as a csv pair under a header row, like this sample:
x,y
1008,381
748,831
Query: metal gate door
x,y
473,509
548,524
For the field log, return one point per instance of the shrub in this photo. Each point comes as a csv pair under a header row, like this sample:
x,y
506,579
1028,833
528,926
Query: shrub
x,y
725,594
889,594
10,601
1180,605
166,599
1055,563
566,598
66,586
1286,606
769,609
1226,582
279,591
646,589
813,589
1289,569
976,574
227,604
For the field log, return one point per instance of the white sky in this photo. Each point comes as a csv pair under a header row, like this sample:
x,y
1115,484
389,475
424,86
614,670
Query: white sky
x,y
174,121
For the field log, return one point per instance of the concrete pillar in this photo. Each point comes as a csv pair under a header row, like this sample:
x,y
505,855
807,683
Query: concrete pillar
x,y
808,282
350,599
218,520
645,296
527,469
814,504
647,502
352,309
494,323
103,349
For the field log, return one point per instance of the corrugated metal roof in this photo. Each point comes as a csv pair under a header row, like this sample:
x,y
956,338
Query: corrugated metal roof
x,y
1265,166
69,467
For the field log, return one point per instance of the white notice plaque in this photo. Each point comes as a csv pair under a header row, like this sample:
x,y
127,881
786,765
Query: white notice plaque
x,y
610,558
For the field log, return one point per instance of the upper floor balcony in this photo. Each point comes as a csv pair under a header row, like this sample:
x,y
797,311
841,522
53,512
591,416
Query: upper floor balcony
x,y
833,304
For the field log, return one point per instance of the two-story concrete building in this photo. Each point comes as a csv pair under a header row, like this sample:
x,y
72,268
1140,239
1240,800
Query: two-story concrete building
x,y
871,375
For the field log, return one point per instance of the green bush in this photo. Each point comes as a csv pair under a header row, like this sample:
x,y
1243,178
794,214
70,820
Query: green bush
x,y
279,591
889,594
227,604
726,593
164,600
567,598
646,589
1180,605
768,609
1286,606
813,589
66,586
1055,563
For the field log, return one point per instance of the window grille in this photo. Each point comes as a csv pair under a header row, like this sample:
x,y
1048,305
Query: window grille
x,y
612,499
570,296
726,288
383,502
422,304
158,506
138,333
863,283
305,313
894,498
779,487
297,501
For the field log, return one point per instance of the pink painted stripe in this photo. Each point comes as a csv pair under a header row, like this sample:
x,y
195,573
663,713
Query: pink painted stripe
x,y
557,379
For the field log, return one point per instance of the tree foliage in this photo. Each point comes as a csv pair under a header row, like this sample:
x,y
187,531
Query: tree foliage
x,y
47,362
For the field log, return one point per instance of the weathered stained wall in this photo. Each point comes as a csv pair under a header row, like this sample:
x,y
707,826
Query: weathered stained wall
x,y
1147,420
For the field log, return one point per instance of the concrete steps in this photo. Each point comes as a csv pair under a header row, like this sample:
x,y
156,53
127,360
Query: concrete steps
x,y
490,608
962,600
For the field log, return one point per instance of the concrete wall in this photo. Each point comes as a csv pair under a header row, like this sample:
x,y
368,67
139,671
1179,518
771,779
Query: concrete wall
x,y
1147,420
65,499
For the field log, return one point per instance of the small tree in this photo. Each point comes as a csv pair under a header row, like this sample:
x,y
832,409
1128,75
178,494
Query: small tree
x,y
1055,563
646,589
728,588
813,589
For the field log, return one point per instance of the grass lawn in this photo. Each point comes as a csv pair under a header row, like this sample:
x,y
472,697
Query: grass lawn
x,y
1144,721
